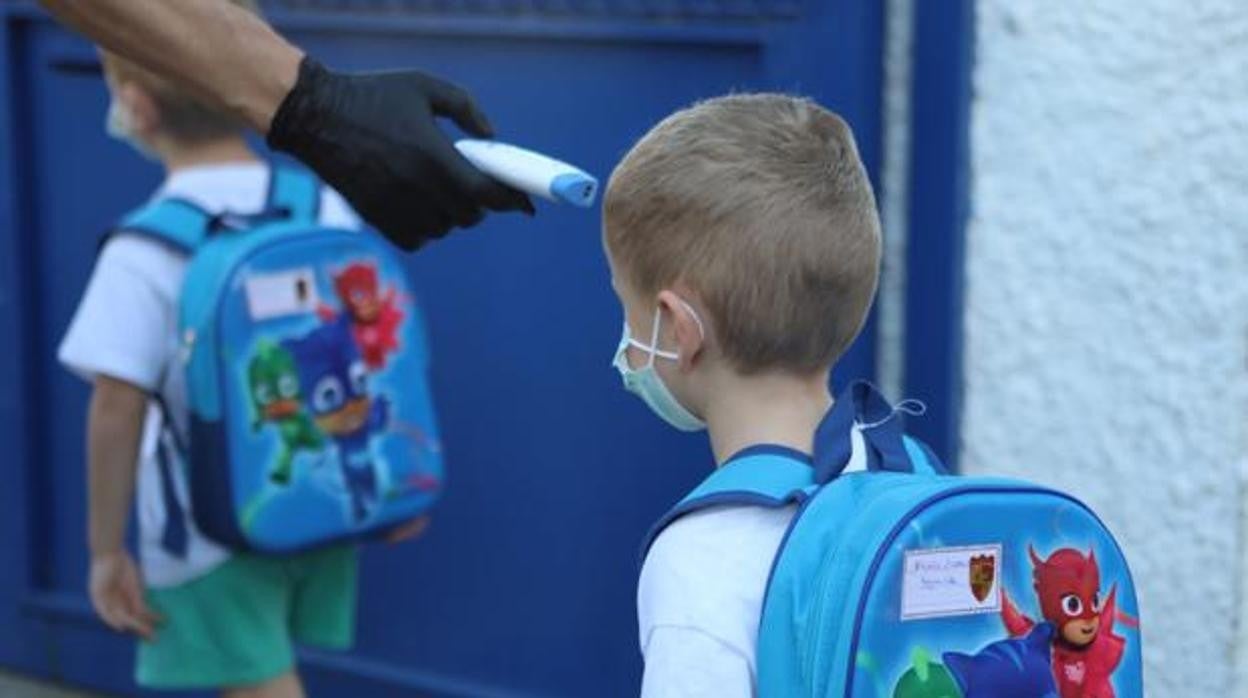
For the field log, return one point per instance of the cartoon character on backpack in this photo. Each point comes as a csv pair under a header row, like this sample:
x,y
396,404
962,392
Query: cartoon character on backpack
x,y
277,399
330,365
1086,650
926,678
374,313
1009,668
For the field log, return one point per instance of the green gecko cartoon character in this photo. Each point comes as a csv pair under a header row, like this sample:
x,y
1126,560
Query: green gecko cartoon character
x,y
277,398
926,678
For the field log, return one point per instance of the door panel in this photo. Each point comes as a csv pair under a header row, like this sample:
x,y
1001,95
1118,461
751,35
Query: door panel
x,y
525,584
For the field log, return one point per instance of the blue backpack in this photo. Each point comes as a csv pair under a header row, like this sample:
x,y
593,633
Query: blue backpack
x,y
306,371
903,581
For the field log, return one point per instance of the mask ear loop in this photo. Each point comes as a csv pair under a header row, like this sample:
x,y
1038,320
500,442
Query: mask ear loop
x,y
653,350
654,338
697,320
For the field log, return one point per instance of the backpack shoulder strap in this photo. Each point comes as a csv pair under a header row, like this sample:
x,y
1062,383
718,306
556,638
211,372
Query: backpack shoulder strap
x,y
174,222
764,476
295,190
183,227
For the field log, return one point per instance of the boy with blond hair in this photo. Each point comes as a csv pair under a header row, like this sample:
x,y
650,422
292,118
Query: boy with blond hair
x,y
208,617
744,245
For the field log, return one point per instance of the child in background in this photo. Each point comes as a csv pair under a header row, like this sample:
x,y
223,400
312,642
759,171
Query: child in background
x,y
208,617
744,245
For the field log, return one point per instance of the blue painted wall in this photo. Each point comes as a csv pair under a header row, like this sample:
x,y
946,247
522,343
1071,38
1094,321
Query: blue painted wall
x,y
525,584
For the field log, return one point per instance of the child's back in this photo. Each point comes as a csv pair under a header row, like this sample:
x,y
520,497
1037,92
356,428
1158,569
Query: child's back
x,y
213,619
744,245
125,328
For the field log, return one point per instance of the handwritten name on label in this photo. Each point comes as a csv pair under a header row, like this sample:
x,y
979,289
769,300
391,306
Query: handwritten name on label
x,y
941,582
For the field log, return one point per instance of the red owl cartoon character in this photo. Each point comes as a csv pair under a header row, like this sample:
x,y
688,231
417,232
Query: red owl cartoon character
x,y
374,312
1086,650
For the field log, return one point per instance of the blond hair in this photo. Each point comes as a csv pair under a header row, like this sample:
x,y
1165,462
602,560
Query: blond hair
x,y
183,117
759,204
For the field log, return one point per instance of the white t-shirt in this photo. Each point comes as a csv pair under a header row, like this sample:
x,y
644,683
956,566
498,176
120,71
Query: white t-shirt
x,y
700,598
126,327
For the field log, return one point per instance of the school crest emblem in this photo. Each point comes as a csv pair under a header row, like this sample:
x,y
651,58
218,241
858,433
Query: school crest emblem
x,y
983,574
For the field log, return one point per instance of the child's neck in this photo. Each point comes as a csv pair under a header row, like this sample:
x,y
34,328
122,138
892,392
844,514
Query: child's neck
x,y
218,152
772,408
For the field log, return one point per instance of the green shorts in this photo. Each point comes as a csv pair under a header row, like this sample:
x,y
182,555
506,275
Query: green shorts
x,y
236,625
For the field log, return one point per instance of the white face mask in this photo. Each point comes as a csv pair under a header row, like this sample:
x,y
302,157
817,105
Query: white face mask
x,y
119,124
646,383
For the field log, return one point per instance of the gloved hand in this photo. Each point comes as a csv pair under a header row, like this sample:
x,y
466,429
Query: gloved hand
x,y
374,137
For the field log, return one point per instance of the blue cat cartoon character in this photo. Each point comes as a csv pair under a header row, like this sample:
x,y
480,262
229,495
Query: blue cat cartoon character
x,y
1013,668
335,379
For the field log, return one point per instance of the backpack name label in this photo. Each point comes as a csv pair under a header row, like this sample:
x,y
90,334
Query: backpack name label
x,y
943,582
277,294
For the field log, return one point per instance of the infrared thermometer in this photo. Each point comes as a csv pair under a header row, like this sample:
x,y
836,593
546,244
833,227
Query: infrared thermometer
x,y
530,172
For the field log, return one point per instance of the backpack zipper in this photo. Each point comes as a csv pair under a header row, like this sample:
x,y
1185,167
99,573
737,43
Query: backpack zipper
x,y
822,582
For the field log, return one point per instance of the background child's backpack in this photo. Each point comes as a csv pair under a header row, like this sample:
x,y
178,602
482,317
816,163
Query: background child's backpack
x,y
905,582
306,361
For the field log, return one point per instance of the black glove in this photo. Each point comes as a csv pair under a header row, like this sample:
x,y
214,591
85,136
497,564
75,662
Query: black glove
x,y
374,138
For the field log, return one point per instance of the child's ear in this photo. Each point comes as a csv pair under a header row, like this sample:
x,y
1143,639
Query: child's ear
x,y
687,328
144,112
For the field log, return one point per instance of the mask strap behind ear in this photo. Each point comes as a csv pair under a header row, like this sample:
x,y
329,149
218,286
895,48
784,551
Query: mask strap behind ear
x,y
653,349
696,319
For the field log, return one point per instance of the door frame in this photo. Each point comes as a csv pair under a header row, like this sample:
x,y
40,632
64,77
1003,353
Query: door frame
x,y
850,35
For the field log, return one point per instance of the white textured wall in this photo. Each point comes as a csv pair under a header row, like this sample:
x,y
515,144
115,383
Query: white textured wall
x,y
1107,294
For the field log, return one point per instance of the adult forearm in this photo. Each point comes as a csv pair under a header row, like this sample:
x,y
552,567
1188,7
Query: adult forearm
x,y
373,137
114,431
226,55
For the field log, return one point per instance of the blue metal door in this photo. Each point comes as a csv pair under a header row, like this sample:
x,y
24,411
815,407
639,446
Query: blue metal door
x,y
525,583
